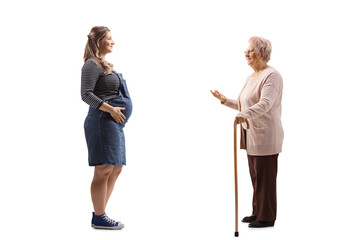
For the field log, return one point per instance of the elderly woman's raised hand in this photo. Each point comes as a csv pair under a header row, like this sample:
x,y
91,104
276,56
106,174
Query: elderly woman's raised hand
x,y
218,95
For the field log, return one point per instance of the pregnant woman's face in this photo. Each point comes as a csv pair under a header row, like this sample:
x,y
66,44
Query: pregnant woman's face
x,y
107,44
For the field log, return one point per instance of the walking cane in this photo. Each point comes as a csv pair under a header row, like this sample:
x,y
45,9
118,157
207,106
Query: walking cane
x,y
235,173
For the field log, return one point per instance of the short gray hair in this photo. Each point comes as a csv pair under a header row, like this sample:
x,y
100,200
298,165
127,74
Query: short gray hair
x,y
262,47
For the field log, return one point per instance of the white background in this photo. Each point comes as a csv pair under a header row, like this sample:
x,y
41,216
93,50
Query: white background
x,y
178,182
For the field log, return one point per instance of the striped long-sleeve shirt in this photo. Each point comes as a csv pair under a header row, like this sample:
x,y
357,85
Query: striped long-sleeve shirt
x,y
96,87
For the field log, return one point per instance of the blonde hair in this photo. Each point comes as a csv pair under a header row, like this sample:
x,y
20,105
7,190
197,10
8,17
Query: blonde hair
x,y
93,46
262,47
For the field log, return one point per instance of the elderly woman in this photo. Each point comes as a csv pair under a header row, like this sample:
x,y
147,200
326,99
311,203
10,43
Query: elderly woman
x,y
260,102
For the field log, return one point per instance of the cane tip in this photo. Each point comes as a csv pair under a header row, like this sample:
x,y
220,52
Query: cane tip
x,y
236,234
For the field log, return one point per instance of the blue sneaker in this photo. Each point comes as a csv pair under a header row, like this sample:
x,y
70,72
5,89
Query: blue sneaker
x,y
104,222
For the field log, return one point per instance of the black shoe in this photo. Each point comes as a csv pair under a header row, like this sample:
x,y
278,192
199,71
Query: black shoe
x,y
249,219
261,224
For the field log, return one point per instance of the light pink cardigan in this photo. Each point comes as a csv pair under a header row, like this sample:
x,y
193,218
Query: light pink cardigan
x,y
260,102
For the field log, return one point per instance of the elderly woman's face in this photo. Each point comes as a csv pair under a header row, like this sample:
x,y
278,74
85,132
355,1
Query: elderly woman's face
x,y
251,56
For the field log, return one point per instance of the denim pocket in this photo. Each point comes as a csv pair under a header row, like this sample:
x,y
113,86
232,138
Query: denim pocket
x,y
87,120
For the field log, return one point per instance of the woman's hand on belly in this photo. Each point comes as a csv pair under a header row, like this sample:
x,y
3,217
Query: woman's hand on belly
x,y
117,115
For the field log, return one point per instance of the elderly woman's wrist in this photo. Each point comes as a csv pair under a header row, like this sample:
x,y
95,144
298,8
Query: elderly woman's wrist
x,y
243,115
223,100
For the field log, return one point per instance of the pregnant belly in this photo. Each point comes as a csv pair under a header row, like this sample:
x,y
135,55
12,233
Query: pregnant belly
x,y
125,103
128,108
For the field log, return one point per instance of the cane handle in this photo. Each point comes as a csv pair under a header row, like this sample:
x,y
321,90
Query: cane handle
x,y
246,121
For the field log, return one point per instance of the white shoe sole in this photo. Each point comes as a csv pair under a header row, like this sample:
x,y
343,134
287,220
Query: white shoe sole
x,y
121,226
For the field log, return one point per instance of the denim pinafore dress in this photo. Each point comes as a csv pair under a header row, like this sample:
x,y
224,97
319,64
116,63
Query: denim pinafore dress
x,y
104,137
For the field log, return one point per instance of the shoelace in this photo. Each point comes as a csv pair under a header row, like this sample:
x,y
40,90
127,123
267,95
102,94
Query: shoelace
x,y
109,220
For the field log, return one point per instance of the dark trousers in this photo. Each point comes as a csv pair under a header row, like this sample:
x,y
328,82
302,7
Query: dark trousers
x,y
263,171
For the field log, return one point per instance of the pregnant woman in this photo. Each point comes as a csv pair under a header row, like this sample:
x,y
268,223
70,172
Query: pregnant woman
x,y
110,106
